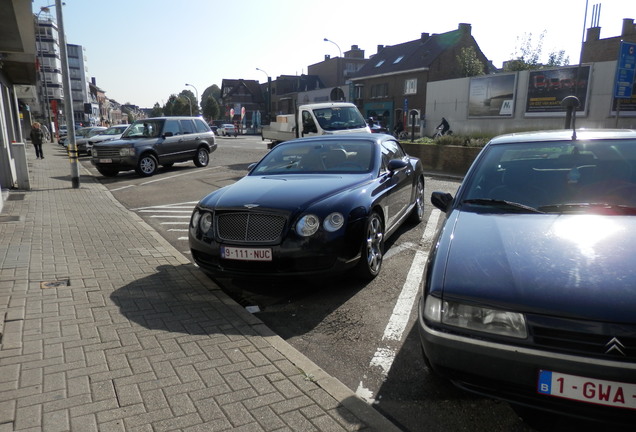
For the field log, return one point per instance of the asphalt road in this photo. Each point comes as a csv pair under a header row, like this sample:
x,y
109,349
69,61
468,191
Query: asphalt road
x,y
363,334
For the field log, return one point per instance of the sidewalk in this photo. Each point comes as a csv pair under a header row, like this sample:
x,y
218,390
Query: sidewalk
x,y
104,326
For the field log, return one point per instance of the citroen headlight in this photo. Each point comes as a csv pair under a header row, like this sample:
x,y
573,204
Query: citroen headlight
x,y
333,222
308,225
476,318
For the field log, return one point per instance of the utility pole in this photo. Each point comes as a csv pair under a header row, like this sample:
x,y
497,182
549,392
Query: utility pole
x,y
68,99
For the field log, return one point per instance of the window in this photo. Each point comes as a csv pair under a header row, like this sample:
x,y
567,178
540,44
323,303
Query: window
x,y
172,126
380,63
391,150
359,91
186,126
410,86
201,126
380,90
399,59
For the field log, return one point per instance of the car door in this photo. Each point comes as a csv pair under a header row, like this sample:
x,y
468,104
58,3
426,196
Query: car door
x,y
398,183
189,140
170,143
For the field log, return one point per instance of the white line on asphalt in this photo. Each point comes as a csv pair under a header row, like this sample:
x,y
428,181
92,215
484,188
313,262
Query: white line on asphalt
x,y
385,355
121,188
186,205
171,216
173,223
165,210
177,230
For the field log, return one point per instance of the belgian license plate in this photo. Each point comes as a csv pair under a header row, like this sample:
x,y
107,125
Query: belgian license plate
x,y
601,392
246,254
105,161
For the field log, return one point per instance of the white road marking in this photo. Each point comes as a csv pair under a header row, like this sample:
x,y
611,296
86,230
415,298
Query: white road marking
x,y
385,355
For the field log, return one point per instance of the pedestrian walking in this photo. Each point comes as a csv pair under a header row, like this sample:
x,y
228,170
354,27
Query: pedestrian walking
x,y
37,137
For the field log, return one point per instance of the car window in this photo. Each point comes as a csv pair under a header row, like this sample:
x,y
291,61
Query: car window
x,y
557,176
201,126
172,126
391,150
342,157
187,127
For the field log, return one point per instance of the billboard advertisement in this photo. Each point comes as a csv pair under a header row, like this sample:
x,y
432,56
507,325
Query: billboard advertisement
x,y
492,96
548,87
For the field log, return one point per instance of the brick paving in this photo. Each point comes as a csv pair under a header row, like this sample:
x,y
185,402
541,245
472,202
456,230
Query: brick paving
x,y
104,326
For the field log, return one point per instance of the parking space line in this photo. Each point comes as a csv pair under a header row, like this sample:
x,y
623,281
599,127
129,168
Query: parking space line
x,y
385,355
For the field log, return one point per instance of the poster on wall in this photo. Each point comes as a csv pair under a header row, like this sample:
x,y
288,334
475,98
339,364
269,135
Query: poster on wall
x,y
548,87
492,96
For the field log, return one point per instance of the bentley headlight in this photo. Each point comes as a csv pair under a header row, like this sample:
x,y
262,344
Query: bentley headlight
x,y
333,222
476,318
196,216
308,225
205,223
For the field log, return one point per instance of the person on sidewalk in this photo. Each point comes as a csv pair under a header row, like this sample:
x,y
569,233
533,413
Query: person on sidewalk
x,y
37,137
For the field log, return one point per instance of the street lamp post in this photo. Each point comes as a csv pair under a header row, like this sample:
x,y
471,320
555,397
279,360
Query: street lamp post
x,y
197,93
339,50
189,103
47,104
269,94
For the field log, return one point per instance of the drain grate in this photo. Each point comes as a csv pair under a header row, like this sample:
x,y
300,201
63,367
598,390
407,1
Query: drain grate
x,y
55,284
9,218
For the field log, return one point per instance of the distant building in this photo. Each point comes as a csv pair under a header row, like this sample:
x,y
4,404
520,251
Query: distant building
x,y
391,86
600,50
50,65
85,106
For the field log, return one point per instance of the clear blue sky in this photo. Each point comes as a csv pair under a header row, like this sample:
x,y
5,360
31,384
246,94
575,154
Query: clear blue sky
x,y
142,51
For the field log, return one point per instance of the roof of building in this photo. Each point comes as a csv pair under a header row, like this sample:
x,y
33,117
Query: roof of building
x,y
415,54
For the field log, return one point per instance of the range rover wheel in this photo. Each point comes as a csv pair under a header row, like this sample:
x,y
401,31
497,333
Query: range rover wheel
x,y
202,158
147,165
108,171
372,248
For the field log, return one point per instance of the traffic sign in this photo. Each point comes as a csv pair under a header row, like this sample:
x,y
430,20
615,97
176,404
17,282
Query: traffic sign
x,y
625,71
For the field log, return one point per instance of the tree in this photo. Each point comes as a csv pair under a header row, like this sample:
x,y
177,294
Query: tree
x,y
527,55
211,108
179,105
156,111
469,63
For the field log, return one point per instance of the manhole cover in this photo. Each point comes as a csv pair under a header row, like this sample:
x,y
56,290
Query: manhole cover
x,y
55,284
15,197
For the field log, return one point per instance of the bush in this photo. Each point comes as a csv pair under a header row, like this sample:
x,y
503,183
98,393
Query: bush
x,y
455,140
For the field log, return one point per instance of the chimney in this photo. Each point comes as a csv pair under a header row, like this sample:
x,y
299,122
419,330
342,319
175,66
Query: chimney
x,y
424,37
94,81
465,28
327,57
628,27
354,52
380,47
593,34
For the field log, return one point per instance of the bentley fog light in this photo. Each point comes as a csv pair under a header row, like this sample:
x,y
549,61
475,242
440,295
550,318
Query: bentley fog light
x,y
308,225
476,318
333,222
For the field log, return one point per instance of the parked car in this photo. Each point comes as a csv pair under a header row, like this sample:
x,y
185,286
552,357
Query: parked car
x,y
148,143
82,141
80,135
227,130
113,132
312,206
530,290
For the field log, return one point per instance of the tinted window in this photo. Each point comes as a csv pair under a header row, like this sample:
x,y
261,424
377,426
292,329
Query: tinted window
x,y
172,126
201,126
187,126
391,150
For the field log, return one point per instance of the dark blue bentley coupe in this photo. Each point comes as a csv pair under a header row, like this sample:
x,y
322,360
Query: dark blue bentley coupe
x,y
311,206
530,290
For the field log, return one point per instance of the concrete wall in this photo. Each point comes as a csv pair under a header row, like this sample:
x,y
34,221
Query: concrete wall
x,y
450,160
449,99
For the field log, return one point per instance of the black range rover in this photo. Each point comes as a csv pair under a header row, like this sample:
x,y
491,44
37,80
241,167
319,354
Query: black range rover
x,y
148,143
